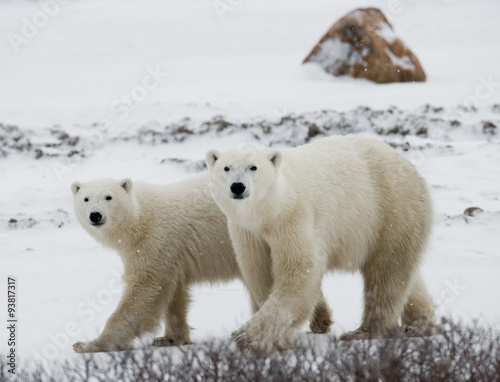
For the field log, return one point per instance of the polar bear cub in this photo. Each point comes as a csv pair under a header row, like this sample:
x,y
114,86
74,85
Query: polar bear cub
x,y
348,203
169,237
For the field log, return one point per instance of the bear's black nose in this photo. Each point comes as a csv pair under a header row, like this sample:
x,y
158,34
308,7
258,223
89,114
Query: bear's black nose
x,y
95,217
237,188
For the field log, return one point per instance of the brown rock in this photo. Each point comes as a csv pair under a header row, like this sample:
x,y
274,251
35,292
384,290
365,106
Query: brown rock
x,y
472,211
362,44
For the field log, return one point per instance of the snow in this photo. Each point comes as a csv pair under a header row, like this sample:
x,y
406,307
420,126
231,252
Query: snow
x,y
403,62
89,72
334,53
385,31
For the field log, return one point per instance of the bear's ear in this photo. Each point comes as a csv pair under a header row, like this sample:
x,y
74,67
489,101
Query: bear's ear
x,y
75,187
126,184
211,157
275,157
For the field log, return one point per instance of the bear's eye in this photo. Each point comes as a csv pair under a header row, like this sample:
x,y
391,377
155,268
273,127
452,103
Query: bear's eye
x,y
253,168
108,197
86,200
226,169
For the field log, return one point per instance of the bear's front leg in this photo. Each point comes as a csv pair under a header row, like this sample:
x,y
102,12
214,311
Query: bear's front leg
x,y
253,255
268,330
296,270
136,314
101,344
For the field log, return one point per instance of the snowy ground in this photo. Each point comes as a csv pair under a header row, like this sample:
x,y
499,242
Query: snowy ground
x,y
68,81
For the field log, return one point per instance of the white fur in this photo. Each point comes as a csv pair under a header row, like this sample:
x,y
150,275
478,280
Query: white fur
x,y
168,237
349,203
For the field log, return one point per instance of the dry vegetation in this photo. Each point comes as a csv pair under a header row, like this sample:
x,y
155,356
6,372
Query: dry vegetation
x,y
460,353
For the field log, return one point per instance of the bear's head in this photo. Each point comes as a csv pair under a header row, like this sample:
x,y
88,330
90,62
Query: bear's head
x,y
103,205
242,175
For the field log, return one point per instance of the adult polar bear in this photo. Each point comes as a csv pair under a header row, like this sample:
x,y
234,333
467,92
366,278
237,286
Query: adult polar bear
x,y
168,237
349,203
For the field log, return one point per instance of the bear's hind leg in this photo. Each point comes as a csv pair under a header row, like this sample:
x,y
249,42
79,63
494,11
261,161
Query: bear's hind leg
x,y
321,319
418,314
176,326
386,289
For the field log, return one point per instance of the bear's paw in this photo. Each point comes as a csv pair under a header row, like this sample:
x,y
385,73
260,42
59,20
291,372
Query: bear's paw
x,y
170,341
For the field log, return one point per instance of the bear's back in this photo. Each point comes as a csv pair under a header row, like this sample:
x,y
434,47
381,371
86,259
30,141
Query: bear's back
x,y
184,218
355,186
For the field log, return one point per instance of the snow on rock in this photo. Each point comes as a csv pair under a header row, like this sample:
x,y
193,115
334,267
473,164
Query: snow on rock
x,y
362,44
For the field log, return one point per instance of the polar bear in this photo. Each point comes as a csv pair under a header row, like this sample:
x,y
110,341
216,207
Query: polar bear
x,y
347,203
168,238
